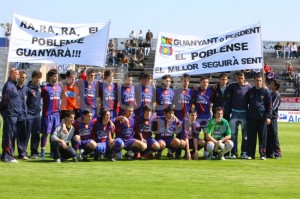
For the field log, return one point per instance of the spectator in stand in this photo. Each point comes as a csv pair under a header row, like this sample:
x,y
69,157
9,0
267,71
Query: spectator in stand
x,y
267,68
140,37
132,36
133,47
126,60
287,50
112,58
278,50
294,50
147,48
120,57
141,59
127,48
141,46
149,36
133,62
111,45
270,76
290,69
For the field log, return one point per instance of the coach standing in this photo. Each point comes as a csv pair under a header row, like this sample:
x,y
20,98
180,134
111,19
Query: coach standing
x,y
259,116
11,108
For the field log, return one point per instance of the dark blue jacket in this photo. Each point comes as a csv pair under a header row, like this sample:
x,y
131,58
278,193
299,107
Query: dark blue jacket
x,y
11,103
23,94
260,103
33,99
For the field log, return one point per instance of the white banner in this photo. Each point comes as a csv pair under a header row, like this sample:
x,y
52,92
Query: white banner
x,y
36,41
235,50
289,116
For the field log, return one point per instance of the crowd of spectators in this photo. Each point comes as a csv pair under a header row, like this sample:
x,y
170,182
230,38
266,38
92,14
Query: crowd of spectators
x,y
287,51
135,52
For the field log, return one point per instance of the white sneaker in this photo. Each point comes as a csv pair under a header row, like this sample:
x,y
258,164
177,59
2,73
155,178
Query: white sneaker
x,y
263,158
244,156
12,161
233,157
57,161
249,158
222,158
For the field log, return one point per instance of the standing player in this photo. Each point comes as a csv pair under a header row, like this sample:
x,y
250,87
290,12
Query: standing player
x,y
70,95
218,135
273,146
60,141
165,127
108,93
125,131
221,94
127,93
22,136
88,92
260,104
50,116
183,98
164,95
144,94
33,112
143,128
82,136
190,137
238,104
102,134
10,107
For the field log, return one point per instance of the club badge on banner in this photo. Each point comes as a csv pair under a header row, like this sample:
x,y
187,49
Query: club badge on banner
x,y
37,41
235,50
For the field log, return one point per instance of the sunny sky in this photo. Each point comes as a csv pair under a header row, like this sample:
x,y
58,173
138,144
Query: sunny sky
x,y
279,19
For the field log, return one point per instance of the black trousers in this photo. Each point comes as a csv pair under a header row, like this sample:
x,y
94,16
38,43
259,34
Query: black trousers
x,y
59,152
257,127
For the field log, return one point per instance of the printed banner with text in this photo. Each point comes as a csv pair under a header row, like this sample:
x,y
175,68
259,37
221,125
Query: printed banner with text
x,y
36,41
235,50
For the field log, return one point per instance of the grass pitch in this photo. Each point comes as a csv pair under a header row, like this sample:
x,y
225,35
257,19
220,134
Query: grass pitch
x,y
160,178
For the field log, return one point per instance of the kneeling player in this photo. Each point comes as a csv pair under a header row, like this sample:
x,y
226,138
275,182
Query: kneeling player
x,y
125,131
60,140
82,138
143,128
164,128
189,137
218,135
102,135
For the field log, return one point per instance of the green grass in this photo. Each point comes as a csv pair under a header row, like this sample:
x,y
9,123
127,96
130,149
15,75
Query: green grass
x,y
159,178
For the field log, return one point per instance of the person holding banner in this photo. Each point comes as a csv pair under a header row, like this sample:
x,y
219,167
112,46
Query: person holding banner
x,y
164,95
108,94
10,108
50,116
34,110
237,105
88,92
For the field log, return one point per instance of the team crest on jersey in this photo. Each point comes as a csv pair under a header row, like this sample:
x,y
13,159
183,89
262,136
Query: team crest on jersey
x,y
102,134
202,99
54,94
127,131
166,99
84,132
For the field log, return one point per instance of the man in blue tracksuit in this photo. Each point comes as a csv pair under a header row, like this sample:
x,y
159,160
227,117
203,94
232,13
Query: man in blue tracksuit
x,y
33,112
11,108
259,116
